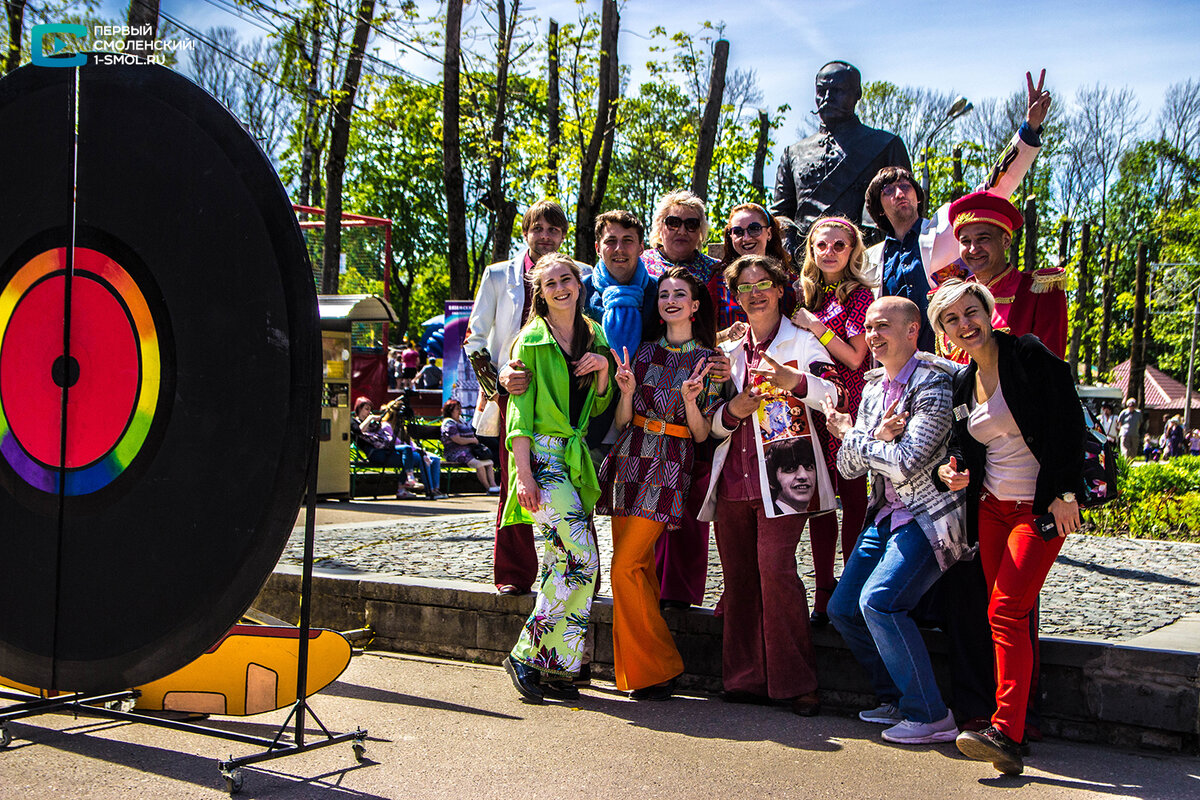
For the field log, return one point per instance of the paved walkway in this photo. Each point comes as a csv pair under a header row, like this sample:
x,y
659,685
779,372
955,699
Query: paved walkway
x,y
1108,588
450,730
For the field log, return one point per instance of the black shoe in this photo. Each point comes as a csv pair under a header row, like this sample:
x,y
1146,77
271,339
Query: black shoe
x,y
584,678
819,619
992,745
659,691
559,690
525,679
674,605
739,696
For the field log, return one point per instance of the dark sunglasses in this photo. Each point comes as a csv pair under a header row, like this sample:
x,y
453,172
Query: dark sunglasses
x,y
691,224
754,229
838,246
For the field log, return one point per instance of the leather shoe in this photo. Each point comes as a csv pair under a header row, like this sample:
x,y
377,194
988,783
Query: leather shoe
x,y
806,705
584,676
674,605
559,690
659,691
508,588
819,619
525,680
740,696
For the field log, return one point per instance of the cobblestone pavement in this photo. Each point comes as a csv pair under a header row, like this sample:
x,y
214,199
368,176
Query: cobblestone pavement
x,y
1107,588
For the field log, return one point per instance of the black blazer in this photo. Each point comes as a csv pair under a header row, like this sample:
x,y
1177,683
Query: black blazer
x,y
1041,395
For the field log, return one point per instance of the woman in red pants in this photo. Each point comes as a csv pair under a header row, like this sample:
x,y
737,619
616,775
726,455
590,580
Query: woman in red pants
x,y
1017,447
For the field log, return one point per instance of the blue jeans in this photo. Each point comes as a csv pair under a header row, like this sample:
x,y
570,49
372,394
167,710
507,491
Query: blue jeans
x,y
414,460
886,576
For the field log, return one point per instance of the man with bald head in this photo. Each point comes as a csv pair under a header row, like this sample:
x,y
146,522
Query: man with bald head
x,y
914,531
827,173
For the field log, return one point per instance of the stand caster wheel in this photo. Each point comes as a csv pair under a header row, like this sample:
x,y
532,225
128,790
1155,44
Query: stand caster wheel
x,y
233,781
360,752
6,736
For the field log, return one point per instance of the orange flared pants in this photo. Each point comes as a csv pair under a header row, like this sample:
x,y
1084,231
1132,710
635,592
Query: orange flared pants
x,y
644,652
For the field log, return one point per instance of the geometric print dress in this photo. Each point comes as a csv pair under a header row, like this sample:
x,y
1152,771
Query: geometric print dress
x,y
646,474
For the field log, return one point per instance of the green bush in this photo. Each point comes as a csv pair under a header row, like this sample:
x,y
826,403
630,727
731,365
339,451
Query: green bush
x,y
1159,500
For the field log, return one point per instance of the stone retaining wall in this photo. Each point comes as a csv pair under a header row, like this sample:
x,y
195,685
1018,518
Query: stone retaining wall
x,y
1092,691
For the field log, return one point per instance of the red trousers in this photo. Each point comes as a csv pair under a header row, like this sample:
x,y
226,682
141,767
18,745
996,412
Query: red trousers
x,y
1015,561
514,558
768,647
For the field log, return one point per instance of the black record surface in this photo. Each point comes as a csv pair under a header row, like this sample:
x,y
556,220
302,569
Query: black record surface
x,y
190,374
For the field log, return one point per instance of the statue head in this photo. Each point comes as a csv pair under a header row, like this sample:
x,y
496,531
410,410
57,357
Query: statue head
x,y
839,87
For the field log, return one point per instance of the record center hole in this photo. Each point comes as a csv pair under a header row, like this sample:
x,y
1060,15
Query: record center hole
x,y
65,371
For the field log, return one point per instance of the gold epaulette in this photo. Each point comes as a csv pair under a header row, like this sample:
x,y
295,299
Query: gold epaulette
x,y
1048,279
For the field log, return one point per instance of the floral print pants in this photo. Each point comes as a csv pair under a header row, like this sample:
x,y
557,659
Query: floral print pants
x,y
552,640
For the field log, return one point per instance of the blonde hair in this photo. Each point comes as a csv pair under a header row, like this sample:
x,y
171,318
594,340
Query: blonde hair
x,y
950,293
681,197
583,339
811,279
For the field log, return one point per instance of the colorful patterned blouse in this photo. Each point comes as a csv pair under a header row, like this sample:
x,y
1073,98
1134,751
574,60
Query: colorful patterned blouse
x,y
646,474
700,265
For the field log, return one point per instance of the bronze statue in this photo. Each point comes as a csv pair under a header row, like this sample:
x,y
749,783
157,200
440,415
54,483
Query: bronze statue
x,y
828,172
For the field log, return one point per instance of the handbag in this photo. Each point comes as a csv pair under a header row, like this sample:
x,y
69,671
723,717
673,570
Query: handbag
x,y
1099,464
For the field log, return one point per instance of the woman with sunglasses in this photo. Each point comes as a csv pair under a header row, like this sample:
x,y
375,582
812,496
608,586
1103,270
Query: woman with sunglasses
x,y
665,407
780,373
678,235
750,231
833,307
1016,446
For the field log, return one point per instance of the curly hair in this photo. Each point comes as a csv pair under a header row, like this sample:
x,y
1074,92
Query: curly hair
x,y
681,197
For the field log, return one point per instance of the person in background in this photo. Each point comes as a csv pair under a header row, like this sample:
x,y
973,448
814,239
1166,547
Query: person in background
x,y
1150,449
1016,447
779,373
750,231
833,307
1108,422
554,482
460,445
1194,442
377,446
417,461
664,408
1174,442
410,361
430,376
1129,425
502,306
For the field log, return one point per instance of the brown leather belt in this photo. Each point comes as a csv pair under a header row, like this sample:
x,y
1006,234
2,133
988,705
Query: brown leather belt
x,y
662,427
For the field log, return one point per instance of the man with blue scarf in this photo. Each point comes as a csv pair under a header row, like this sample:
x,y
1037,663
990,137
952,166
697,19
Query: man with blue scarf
x,y
619,294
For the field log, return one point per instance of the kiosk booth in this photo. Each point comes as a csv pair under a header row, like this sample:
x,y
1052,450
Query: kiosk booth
x,y
338,312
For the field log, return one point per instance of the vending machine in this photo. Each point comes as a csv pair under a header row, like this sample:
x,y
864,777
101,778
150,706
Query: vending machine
x,y
333,475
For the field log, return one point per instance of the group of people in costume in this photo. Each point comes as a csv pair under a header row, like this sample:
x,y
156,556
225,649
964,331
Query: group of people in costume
x,y
918,384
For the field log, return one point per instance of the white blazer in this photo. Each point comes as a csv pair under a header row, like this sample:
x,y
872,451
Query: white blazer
x,y
798,349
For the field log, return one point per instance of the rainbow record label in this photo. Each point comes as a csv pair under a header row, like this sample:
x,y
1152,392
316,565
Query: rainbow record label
x,y
79,407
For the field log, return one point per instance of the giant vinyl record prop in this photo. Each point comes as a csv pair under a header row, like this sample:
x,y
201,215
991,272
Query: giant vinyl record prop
x,y
159,362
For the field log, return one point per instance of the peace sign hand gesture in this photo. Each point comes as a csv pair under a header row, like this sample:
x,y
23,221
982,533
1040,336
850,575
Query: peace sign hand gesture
x,y
694,385
624,375
780,375
892,425
1039,101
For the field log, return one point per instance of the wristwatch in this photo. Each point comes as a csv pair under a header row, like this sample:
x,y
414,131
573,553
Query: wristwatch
x,y
1068,497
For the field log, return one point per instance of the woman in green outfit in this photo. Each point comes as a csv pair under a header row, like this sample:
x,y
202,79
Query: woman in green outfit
x,y
552,480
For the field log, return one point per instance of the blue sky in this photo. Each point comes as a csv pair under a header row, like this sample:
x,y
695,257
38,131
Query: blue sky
x,y
979,50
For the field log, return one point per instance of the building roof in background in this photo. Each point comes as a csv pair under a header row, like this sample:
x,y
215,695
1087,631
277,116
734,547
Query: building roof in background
x,y
1162,391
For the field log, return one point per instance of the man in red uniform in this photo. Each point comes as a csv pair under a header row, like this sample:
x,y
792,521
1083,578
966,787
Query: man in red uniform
x,y
1025,302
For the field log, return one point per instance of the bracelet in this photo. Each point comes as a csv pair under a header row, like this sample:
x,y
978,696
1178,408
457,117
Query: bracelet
x,y
826,337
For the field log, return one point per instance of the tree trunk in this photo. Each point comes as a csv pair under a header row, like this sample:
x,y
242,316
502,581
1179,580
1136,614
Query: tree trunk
x,y
1031,235
16,32
959,188
1064,241
1137,349
758,180
553,120
503,211
593,168
712,117
1106,318
452,171
1082,302
339,141
308,149
143,19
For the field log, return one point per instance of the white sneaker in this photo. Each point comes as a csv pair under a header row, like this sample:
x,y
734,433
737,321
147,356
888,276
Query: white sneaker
x,y
912,732
885,714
